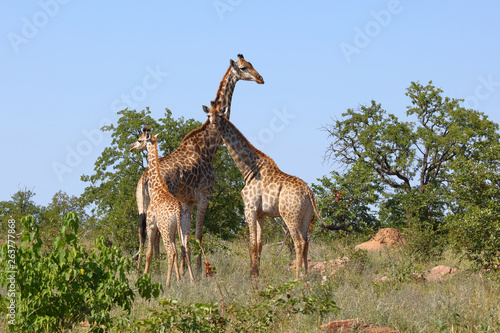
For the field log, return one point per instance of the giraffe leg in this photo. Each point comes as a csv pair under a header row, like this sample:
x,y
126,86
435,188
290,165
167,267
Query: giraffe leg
x,y
184,226
200,217
250,216
168,228
151,230
260,230
299,244
142,237
185,253
292,221
157,245
304,255
171,261
304,229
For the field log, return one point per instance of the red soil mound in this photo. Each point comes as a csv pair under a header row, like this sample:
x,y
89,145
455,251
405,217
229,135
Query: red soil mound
x,y
386,237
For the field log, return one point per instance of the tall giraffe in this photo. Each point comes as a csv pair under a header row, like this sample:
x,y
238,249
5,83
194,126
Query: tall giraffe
x,y
269,192
165,213
188,171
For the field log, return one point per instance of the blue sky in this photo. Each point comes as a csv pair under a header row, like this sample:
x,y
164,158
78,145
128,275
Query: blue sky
x,y
67,66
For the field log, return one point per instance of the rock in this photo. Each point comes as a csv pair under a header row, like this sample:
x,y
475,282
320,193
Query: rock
x,y
439,272
323,266
354,325
435,274
381,279
385,238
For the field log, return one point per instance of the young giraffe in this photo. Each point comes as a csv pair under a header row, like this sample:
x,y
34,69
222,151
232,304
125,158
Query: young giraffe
x,y
165,212
269,192
188,171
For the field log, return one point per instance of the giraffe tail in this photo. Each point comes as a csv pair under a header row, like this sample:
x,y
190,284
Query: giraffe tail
x,y
329,227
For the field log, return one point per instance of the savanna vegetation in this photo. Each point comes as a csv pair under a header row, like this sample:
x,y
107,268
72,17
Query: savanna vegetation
x,y
434,175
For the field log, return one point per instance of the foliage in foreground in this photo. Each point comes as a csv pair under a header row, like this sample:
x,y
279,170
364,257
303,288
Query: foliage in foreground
x,y
274,304
58,290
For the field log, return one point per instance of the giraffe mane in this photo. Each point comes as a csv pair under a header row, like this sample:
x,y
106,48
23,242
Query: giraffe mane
x,y
224,78
250,145
195,131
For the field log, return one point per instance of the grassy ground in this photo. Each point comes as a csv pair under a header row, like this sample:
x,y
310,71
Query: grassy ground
x,y
466,302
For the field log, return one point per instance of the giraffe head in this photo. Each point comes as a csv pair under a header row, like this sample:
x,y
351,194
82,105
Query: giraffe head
x,y
245,71
144,139
215,112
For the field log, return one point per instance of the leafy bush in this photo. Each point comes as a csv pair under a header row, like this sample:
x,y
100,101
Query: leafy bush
x,y
475,225
58,290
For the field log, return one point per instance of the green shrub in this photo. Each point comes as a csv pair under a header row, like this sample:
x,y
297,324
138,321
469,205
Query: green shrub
x,y
58,290
474,226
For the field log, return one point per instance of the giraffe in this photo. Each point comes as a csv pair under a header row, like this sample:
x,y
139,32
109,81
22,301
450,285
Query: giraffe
x,y
269,192
165,213
188,171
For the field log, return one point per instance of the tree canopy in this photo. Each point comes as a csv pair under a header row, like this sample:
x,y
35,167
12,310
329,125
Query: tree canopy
x,y
418,163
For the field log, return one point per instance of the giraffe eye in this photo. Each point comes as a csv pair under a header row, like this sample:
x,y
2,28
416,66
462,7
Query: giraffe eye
x,y
243,68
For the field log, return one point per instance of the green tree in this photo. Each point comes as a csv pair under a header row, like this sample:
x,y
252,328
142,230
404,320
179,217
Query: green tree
x,y
349,198
412,159
52,215
474,224
20,204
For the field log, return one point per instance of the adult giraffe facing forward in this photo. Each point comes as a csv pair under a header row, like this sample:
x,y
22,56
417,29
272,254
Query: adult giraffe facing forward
x,y
269,192
188,171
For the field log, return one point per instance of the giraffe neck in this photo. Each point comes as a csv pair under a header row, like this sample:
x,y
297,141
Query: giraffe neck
x,y
249,160
156,185
206,138
226,89
202,142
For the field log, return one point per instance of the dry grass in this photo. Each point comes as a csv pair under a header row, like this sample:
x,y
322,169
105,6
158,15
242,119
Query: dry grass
x,y
466,302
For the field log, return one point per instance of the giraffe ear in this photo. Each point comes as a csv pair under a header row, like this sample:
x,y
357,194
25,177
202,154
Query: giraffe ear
x,y
233,64
223,111
205,109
